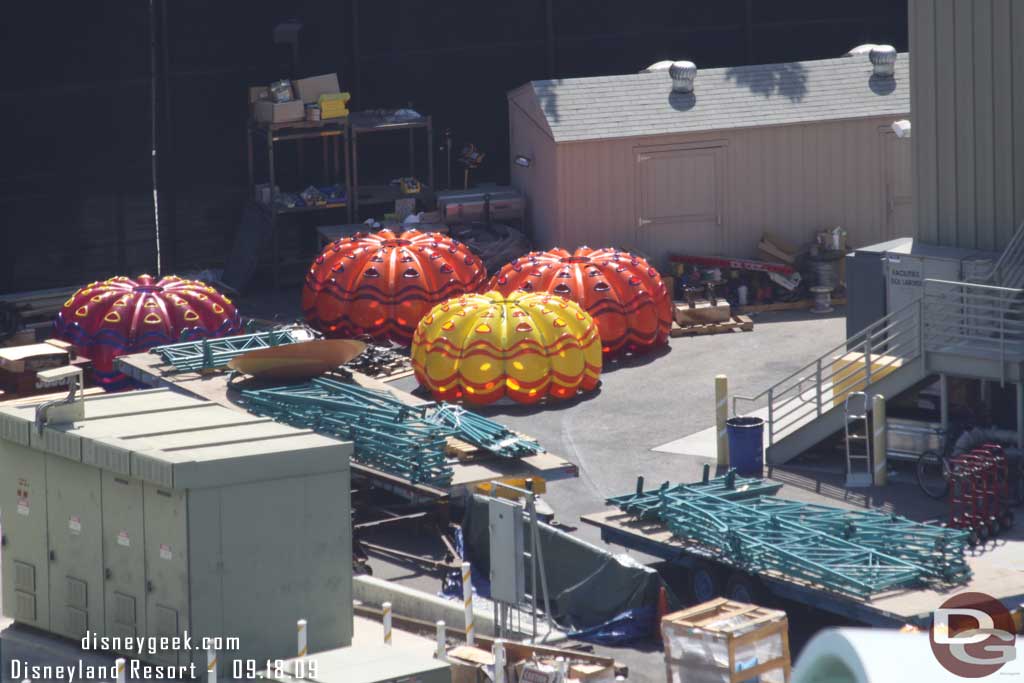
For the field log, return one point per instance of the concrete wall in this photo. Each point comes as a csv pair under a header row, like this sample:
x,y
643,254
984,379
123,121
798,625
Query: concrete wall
x,y
967,89
789,180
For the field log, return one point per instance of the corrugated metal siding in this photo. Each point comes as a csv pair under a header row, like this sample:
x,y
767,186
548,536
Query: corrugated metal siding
x,y
788,180
967,88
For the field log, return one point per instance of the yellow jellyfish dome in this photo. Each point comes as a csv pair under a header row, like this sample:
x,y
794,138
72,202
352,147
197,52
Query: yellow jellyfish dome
x,y
482,347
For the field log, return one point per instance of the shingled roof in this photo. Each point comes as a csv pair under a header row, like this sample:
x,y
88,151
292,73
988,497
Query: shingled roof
x,y
609,107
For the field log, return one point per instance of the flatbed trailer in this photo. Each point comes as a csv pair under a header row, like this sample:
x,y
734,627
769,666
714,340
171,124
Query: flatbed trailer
x,y
997,572
149,369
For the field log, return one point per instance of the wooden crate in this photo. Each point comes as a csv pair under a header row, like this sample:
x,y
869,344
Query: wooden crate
x,y
702,312
733,629
738,323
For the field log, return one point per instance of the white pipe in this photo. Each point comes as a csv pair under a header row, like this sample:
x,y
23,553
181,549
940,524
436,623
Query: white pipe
x,y
467,598
387,622
499,661
442,642
211,666
563,669
119,665
300,628
877,655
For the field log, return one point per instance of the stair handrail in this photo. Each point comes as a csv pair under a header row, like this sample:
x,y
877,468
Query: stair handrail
x,y
860,339
1010,261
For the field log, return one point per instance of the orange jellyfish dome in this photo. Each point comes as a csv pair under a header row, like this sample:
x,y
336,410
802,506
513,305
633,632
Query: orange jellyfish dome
x,y
624,294
107,319
381,284
482,347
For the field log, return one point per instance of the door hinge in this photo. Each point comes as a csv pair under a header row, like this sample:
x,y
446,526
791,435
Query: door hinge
x,y
641,222
643,157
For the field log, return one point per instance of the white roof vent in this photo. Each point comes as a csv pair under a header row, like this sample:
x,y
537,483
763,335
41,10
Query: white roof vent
x,y
883,57
663,65
861,50
683,75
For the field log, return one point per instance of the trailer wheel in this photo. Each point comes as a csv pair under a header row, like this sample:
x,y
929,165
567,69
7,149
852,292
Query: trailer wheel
x,y
1007,519
743,587
705,583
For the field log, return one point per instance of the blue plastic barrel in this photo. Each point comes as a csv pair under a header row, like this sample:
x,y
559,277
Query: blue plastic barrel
x,y
746,445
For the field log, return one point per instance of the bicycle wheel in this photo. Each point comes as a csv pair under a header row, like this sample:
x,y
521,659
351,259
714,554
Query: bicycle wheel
x,y
1016,487
932,476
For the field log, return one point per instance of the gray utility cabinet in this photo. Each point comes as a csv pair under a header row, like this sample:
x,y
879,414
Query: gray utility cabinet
x,y
161,513
885,277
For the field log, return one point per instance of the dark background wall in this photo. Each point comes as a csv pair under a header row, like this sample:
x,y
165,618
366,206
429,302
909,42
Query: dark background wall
x,y
77,97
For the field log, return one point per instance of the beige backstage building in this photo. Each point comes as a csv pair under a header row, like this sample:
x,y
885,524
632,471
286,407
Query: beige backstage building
x,y
785,148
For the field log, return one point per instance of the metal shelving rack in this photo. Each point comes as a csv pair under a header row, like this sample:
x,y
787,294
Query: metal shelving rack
x,y
334,131
363,123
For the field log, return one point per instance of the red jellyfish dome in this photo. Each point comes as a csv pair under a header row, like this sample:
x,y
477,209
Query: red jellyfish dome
x,y
381,284
622,292
107,319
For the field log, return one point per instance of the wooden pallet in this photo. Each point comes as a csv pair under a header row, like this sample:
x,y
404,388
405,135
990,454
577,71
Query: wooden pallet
x,y
738,323
802,305
457,448
40,305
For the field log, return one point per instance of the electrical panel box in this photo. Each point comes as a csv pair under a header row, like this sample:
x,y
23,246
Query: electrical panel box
x,y
883,278
908,268
508,575
160,513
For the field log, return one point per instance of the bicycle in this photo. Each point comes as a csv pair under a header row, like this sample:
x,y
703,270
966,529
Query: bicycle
x,y
934,473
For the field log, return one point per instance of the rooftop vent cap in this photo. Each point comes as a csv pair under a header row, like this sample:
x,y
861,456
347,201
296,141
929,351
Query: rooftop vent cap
x,y
663,65
883,57
861,50
683,75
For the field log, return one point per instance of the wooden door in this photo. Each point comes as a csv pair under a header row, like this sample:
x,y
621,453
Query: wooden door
x,y
896,156
680,202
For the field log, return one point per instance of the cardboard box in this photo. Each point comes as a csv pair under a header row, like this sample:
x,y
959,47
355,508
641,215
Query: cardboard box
x,y
258,93
283,112
33,358
468,664
592,673
310,89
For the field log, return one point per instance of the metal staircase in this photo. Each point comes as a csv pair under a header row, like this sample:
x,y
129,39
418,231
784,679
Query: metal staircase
x,y
962,329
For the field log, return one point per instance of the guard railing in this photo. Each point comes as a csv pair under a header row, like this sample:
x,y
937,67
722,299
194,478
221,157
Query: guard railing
x,y
974,319
1009,268
968,318
817,387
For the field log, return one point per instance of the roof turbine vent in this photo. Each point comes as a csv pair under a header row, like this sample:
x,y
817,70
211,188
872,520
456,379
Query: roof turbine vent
x,y
883,57
683,75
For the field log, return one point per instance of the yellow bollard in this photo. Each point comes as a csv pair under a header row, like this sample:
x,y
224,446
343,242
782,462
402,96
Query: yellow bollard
x,y
879,439
721,415
387,622
211,666
300,632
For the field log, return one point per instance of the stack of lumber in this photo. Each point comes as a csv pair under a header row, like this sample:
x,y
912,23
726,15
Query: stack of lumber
x,y
34,310
707,317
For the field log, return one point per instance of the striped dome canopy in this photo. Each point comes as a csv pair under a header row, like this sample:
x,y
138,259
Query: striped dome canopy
x,y
625,295
381,284
483,347
107,319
